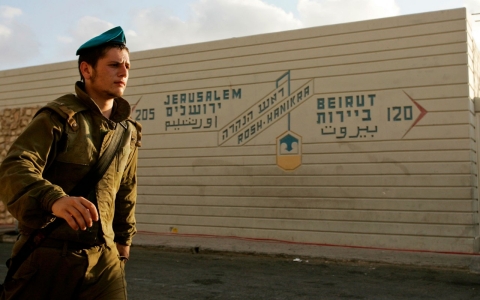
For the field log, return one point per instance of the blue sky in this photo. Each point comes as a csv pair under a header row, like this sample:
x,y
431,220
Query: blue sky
x,y
34,32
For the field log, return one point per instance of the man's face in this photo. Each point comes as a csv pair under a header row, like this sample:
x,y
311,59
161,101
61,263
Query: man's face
x,y
109,78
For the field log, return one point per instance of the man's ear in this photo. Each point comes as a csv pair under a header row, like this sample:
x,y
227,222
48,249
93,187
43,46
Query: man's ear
x,y
86,69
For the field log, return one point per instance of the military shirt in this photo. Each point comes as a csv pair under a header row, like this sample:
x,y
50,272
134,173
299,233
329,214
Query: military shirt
x,y
53,154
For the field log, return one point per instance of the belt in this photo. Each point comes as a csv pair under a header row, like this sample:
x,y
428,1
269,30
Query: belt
x,y
70,245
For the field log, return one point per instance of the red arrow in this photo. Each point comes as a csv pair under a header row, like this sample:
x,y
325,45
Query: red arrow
x,y
135,105
423,112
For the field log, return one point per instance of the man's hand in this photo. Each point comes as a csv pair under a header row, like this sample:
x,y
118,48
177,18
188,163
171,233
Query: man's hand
x,y
77,211
123,250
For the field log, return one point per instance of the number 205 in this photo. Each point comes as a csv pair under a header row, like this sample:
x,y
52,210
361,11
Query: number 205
x,y
145,114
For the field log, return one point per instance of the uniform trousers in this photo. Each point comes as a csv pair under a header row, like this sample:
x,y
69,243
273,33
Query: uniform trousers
x,y
65,273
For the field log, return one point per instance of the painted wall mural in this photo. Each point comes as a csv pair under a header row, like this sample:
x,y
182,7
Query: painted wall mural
x,y
12,122
331,117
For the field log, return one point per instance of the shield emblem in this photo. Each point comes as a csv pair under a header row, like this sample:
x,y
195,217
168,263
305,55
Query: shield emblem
x,y
289,151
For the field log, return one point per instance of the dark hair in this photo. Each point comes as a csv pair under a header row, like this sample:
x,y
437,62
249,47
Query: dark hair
x,y
92,55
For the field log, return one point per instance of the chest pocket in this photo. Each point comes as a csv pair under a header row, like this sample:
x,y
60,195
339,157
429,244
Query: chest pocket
x,y
77,147
74,155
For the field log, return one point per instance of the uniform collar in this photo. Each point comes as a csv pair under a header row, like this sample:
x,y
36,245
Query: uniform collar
x,y
121,108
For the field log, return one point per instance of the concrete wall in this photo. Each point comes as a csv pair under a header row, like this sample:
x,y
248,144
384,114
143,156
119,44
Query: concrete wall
x,y
359,134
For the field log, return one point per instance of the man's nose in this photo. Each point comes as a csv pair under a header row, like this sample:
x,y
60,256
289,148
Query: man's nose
x,y
123,71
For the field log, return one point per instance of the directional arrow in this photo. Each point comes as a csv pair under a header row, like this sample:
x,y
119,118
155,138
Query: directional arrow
x,y
423,112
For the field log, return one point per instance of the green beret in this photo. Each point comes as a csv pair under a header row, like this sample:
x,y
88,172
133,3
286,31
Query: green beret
x,y
112,36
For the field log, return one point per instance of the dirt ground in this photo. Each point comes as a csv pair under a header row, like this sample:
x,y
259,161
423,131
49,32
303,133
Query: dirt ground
x,y
158,273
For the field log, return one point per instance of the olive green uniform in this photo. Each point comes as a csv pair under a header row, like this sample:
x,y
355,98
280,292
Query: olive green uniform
x,y
47,160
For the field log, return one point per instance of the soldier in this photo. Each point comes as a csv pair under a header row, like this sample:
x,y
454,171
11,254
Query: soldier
x,y
70,181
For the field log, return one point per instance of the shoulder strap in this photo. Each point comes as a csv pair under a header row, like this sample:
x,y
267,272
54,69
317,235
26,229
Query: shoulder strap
x,y
66,106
